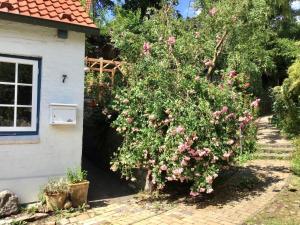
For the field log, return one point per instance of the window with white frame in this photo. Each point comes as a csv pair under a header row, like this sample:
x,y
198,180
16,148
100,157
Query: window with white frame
x,y
18,95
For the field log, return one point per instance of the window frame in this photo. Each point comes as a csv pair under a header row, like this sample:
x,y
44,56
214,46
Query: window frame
x,y
35,104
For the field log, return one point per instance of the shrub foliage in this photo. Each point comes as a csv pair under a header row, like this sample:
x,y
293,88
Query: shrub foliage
x,y
188,99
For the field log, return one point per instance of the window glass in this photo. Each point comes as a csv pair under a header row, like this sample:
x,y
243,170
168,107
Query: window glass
x,y
24,95
24,117
6,116
7,72
7,94
25,73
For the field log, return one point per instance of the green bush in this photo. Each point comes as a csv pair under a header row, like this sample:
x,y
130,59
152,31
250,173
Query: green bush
x,y
286,104
185,105
296,157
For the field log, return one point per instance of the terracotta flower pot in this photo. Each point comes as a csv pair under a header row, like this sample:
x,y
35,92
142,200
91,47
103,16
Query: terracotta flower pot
x,y
55,201
78,193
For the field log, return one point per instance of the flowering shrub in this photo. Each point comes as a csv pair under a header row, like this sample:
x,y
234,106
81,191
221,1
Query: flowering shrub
x,y
181,117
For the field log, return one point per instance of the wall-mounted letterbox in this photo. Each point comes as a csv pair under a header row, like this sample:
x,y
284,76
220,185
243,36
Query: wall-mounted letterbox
x,y
62,114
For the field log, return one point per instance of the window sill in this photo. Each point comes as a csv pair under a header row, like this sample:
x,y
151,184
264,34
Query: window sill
x,y
9,140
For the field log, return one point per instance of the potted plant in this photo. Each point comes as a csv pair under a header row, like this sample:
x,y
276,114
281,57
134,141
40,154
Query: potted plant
x,y
56,192
78,186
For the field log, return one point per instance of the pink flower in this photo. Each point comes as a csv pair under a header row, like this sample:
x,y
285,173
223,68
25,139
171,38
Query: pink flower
x,y
255,103
209,179
186,158
194,194
171,40
183,163
226,155
246,85
129,120
232,73
224,109
230,142
208,63
216,114
163,167
230,116
146,48
178,171
180,130
183,147
202,153
197,34
202,190
125,101
209,190
213,11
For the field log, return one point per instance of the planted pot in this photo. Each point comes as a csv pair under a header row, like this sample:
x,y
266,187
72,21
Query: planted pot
x,y
78,193
55,201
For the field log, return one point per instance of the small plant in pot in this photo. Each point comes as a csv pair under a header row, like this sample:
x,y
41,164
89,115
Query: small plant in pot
x,y
56,192
78,186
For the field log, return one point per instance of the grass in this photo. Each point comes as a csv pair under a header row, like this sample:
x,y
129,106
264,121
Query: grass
x,y
296,157
284,210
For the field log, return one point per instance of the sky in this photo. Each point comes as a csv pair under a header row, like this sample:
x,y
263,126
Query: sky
x,y
185,7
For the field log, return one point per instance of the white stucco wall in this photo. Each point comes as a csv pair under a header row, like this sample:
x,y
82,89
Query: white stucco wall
x,y
25,167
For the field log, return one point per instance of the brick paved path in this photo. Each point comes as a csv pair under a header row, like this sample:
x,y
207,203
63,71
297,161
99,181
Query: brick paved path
x,y
245,193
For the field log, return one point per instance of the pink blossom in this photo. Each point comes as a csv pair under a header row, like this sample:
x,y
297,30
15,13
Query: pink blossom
x,y
183,163
232,73
146,48
209,179
194,194
215,158
208,150
230,116
224,109
187,158
230,142
246,85
209,190
183,147
208,63
202,153
216,114
180,130
178,171
163,167
229,82
202,190
129,120
226,155
125,101
255,103
171,40
197,34
213,11
169,178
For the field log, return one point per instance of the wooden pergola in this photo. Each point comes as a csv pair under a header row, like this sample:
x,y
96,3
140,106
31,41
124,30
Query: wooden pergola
x,y
104,66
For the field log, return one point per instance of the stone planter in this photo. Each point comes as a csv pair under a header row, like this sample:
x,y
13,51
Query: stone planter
x,y
55,201
78,193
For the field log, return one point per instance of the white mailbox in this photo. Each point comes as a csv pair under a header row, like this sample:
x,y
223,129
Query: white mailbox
x,y
62,114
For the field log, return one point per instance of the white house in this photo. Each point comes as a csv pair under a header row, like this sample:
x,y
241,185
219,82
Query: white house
x,y
42,47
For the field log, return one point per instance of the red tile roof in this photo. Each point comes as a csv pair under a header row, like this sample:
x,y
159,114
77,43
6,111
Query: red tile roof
x,y
65,11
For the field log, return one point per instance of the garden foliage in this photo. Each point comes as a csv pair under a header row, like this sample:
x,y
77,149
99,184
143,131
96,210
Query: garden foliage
x,y
189,89
287,102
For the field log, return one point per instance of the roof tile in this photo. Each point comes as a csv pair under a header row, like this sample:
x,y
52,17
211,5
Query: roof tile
x,y
66,11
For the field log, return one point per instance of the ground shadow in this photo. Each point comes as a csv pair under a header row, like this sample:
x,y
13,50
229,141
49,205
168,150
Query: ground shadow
x,y
104,185
232,186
